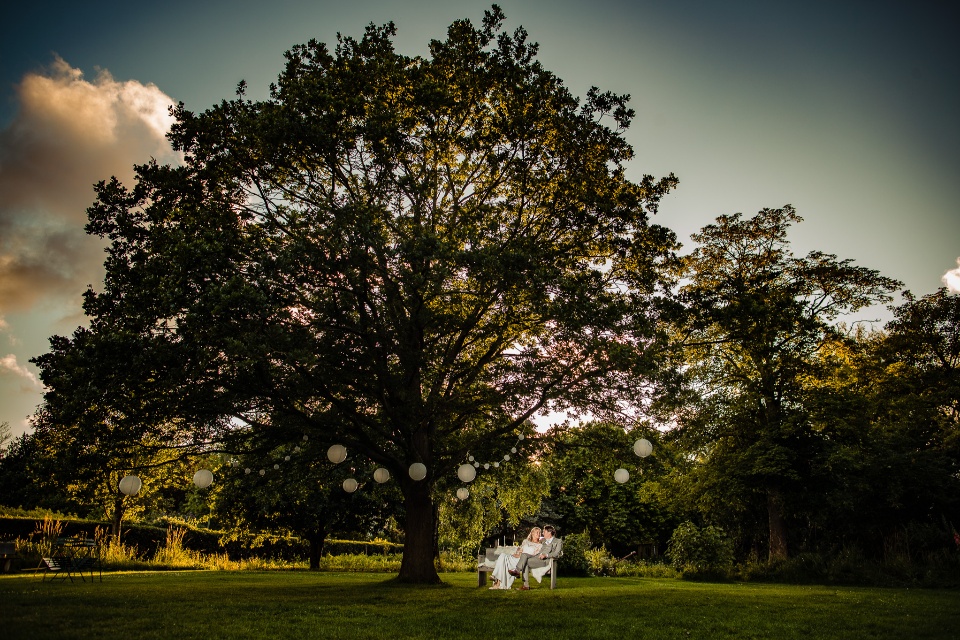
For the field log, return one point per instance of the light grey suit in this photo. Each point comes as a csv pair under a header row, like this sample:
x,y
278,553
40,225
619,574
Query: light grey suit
x,y
552,548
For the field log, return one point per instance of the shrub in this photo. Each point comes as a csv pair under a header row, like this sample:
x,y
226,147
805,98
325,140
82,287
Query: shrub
x,y
361,562
600,562
574,561
455,561
643,569
700,553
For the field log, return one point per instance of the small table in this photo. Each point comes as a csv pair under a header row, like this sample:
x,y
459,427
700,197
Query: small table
x,y
74,556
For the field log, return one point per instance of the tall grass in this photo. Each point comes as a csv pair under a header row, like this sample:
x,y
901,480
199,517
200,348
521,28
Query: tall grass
x,y
47,531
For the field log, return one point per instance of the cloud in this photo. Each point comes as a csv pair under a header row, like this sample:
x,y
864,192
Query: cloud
x,y
952,279
68,133
10,366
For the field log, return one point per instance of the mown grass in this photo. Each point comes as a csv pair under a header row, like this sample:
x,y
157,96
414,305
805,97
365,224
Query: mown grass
x,y
301,604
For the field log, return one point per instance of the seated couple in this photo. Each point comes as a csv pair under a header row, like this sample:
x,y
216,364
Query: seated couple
x,y
533,553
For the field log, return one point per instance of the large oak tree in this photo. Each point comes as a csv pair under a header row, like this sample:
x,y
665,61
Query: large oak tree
x,y
410,256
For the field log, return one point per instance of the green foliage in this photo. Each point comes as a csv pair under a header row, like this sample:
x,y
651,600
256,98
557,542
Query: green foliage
x,y
406,255
885,407
600,561
700,552
758,318
585,497
644,569
501,496
575,549
849,566
602,564
305,499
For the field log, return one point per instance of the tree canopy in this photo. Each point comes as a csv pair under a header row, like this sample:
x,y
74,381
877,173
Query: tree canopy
x,y
409,256
759,316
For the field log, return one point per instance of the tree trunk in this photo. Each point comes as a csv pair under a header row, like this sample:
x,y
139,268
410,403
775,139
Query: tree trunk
x,y
117,517
778,528
316,540
417,564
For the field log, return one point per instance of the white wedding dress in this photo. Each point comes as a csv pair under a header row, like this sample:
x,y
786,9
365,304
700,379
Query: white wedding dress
x,y
507,561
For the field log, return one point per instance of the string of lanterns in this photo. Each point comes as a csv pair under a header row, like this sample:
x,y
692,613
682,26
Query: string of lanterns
x,y
130,485
467,472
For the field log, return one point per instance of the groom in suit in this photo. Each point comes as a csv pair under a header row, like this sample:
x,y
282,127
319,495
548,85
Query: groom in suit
x,y
550,548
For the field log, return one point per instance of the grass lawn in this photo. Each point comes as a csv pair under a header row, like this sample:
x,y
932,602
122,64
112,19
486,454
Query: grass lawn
x,y
301,604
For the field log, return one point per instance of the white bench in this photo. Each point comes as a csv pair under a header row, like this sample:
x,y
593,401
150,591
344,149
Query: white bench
x,y
487,561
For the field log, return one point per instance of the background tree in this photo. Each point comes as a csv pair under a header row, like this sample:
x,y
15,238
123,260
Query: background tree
x,y
409,256
587,499
304,498
884,404
500,505
25,480
758,317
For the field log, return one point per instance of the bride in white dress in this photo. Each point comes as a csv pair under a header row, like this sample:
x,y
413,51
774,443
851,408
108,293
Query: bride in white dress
x,y
506,561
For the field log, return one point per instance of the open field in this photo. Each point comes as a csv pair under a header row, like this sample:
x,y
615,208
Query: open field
x,y
301,604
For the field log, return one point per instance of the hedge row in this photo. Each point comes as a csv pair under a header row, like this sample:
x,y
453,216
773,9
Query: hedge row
x,y
147,539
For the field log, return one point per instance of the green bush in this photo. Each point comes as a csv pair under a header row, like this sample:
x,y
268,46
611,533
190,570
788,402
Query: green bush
x,y
700,553
848,566
600,561
643,569
361,562
574,561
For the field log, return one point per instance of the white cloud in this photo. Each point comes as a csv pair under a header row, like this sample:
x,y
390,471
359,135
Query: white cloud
x,y
10,366
68,133
952,279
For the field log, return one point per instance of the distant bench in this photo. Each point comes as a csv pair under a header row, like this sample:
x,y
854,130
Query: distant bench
x,y
8,553
487,561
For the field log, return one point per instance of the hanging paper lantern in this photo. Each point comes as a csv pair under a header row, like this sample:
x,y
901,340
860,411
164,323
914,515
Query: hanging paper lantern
x,y
247,470
513,449
305,438
496,464
350,485
337,453
276,466
466,473
643,447
263,471
463,493
286,458
506,457
296,449
486,465
381,475
418,471
203,478
476,465
470,458
621,475
130,485
520,437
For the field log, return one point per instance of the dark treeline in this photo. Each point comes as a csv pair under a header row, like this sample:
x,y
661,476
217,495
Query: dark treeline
x,y
862,454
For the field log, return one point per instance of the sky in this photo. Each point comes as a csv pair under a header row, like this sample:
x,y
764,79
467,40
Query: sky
x,y
847,110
